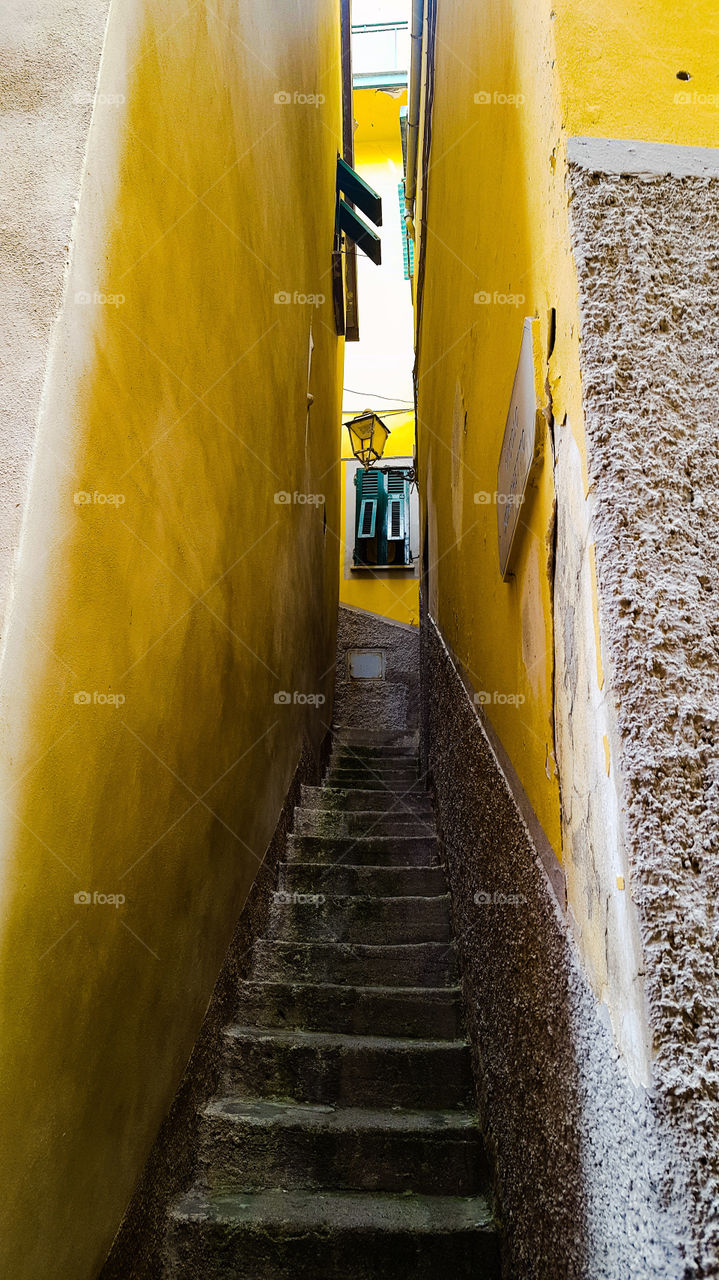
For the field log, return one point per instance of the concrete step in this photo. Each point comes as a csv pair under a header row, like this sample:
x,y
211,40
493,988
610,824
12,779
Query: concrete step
x,y
328,822
426,1012
382,882
320,917
390,851
382,739
364,756
358,1071
275,1235
387,766
430,964
351,798
397,783
246,1145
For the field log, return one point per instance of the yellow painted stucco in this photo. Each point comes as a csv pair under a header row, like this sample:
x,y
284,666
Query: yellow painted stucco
x,y
157,570
378,367
495,232
618,63
512,83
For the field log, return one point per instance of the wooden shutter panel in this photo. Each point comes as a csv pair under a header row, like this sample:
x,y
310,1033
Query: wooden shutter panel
x,y
368,491
396,507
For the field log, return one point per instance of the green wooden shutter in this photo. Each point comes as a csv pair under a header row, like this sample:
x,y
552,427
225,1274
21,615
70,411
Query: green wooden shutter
x,y
395,507
398,515
407,242
367,493
370,544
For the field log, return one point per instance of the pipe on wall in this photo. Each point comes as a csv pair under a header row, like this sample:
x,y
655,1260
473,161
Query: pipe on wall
x,y
415,87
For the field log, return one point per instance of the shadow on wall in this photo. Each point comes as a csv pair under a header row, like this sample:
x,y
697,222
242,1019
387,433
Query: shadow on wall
x,y
377,681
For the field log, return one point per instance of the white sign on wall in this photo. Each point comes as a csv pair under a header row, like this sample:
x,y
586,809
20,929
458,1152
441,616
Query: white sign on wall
x,y
518,449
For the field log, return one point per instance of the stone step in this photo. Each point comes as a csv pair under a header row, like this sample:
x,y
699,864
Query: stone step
x,y
371,780
328,822
359,1071
430,964
426,1012
351,798
373,755
383,882
322,917
390,851
383,767
397,739
247,1145
275,1235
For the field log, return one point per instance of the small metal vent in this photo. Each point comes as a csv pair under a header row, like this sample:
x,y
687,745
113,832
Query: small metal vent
x,y
366,664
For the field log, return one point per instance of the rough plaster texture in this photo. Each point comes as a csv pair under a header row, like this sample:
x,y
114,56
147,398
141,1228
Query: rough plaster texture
x,y
391,703
583,1157
139,1246
49,59
647,254
599,902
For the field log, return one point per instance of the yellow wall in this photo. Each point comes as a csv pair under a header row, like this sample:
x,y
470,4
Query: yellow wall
x,y
618,65
497,224
194,596
381,362
494,228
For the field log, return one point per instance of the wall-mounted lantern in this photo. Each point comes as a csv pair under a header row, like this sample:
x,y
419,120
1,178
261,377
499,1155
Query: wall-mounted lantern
x,y
368,437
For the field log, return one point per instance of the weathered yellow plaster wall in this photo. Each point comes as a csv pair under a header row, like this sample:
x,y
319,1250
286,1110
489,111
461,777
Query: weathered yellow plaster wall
x,y
619,62
513,82
156,568
496,251
378,369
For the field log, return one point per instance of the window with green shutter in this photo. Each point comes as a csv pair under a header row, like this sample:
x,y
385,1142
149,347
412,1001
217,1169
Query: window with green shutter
x,y
382,522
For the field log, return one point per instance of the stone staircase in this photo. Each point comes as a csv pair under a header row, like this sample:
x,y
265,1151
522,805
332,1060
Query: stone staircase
x,y
345,1141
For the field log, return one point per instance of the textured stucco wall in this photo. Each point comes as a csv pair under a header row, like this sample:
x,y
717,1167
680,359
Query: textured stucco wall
x,y
390,703
584,1158
49,59
645,228
600,905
